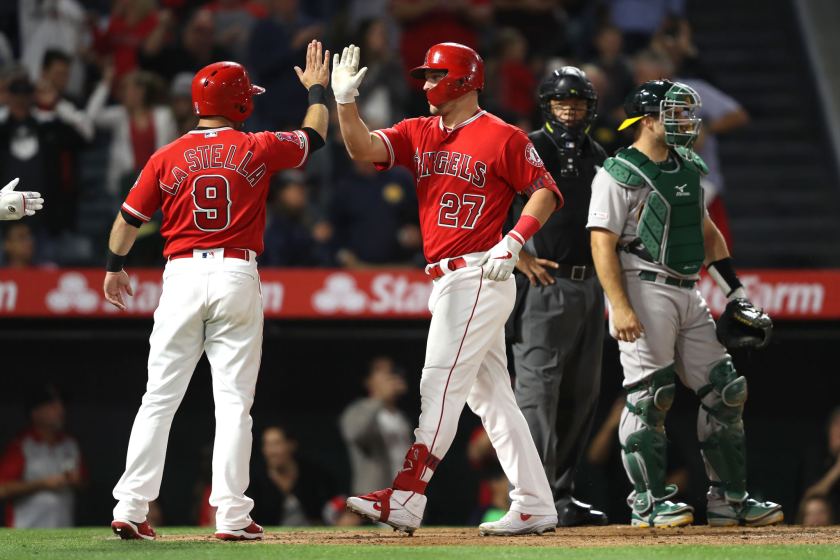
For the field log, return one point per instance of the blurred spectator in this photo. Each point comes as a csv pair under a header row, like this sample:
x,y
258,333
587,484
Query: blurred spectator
x,y
375,430
605,128
180,100
290,491
288,241
816,511
822,468
393,237
638,20
42,468
189,53
139,126
52,88
129,24
53,24
383,93
674,41
617,67
19,248
278,43
235,19
515,82
493,485
539,21
155,516
429,22
39,147
720,113
7,54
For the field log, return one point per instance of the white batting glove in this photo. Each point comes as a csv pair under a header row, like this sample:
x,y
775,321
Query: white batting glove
x,y
346,75
16,205
500,261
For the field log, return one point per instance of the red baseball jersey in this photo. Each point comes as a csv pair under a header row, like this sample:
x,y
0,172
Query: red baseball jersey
x,y
212,185
465,177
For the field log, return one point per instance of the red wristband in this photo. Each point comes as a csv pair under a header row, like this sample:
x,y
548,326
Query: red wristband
x,y
525,228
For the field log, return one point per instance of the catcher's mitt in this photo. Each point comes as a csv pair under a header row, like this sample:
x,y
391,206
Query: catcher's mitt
x,y
741,325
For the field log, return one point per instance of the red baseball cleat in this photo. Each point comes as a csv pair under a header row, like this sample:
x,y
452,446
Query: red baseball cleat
x,y
128,530
252,532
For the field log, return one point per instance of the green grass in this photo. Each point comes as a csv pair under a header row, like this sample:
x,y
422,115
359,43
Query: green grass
x,y
92,544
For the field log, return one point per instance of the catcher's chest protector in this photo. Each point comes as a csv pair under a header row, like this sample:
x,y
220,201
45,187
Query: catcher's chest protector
x,y
671,222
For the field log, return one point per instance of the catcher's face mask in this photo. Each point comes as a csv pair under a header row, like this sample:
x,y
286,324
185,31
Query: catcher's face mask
x,y
676,114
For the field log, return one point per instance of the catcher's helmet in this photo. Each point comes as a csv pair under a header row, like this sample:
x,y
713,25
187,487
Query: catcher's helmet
x,y
465,72
664,97
562,84
224,89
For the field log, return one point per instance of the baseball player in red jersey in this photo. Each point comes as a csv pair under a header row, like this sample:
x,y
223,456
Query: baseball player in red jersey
x,y
467,166
211,185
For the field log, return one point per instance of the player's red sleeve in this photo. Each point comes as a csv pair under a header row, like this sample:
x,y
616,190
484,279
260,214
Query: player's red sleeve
x,y
283,150
520,165
143,199
398,141
12,462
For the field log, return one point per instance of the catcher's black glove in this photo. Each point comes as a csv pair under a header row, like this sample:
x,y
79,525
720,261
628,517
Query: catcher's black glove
x,y
741,325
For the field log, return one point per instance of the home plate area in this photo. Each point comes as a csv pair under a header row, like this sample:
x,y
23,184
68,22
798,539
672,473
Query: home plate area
x,y
580,537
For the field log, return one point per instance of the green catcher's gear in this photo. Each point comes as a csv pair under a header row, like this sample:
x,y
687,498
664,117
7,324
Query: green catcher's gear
x,y
741,325
748,513
665,98
725,450
670,230
645,450
662,514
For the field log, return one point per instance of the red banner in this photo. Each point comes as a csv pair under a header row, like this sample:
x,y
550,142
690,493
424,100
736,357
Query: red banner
x,y
345,294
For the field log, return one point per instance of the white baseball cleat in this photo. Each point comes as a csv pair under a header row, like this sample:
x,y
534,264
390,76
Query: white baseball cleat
x,y
515,523
383,507
252,532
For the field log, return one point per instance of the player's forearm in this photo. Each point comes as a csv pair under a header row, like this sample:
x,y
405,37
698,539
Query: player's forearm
x,y
608,267
17,488
716,248
122,236
357,138
317,118
541,204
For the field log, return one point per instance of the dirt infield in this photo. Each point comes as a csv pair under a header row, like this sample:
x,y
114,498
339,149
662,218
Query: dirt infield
x,y
615,535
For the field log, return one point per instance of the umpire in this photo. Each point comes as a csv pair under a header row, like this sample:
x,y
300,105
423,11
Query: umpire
x,y
558,320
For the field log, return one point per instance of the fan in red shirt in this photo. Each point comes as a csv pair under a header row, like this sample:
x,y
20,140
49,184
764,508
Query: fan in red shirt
x,y
467,166
211,185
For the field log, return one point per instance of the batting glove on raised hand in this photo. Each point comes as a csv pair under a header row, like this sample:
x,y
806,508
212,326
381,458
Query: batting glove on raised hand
x,y
346,75
16,205
500,261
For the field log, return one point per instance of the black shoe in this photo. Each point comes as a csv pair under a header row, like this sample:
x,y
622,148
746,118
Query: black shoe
x,y
577,514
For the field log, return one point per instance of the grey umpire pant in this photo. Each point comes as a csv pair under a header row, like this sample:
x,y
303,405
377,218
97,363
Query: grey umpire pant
x,y
557,360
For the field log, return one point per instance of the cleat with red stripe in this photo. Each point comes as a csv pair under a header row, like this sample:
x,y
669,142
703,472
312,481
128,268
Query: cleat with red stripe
x,y
129,530
515,523
252,532
384,507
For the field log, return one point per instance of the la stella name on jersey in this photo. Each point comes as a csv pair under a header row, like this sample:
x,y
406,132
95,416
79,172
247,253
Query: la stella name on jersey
x,y
212,157
455,164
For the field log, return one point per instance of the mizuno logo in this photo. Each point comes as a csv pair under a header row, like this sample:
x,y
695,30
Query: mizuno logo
x,y
509,256
681,191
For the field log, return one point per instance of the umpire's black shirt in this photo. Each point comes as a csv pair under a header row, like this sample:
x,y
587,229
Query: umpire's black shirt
x,y
564,237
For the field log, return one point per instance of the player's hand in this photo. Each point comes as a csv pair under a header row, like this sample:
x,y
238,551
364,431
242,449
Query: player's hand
x,y
534,268
54,482
627,326
499,261
114,282
346,75
16,205
317,72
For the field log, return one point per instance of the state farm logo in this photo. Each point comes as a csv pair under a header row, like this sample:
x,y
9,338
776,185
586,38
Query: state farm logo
x,y
72,294
388,294
797,299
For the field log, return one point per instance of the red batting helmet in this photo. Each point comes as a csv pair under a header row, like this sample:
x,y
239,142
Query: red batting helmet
x,y
465,72
224,89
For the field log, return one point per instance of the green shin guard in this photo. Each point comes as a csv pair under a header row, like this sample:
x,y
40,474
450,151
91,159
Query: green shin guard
x,y
725,450
645,450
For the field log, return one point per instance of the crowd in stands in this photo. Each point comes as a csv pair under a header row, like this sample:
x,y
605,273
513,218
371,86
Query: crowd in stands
x,y
90,89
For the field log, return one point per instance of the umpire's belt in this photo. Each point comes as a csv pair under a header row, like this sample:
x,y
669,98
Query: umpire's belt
x,y
649,276
572,272
445,266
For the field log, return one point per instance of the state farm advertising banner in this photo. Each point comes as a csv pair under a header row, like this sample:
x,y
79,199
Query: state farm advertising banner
x,y
374,294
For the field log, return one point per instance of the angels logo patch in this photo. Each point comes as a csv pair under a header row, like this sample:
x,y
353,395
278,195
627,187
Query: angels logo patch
x,y
532,156
289,137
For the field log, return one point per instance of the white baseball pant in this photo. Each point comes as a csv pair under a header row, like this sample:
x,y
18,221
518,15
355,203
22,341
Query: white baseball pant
x,y
466,363
209,304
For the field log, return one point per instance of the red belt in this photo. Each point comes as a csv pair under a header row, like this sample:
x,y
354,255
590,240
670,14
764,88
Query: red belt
x,y
435,271
242,254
